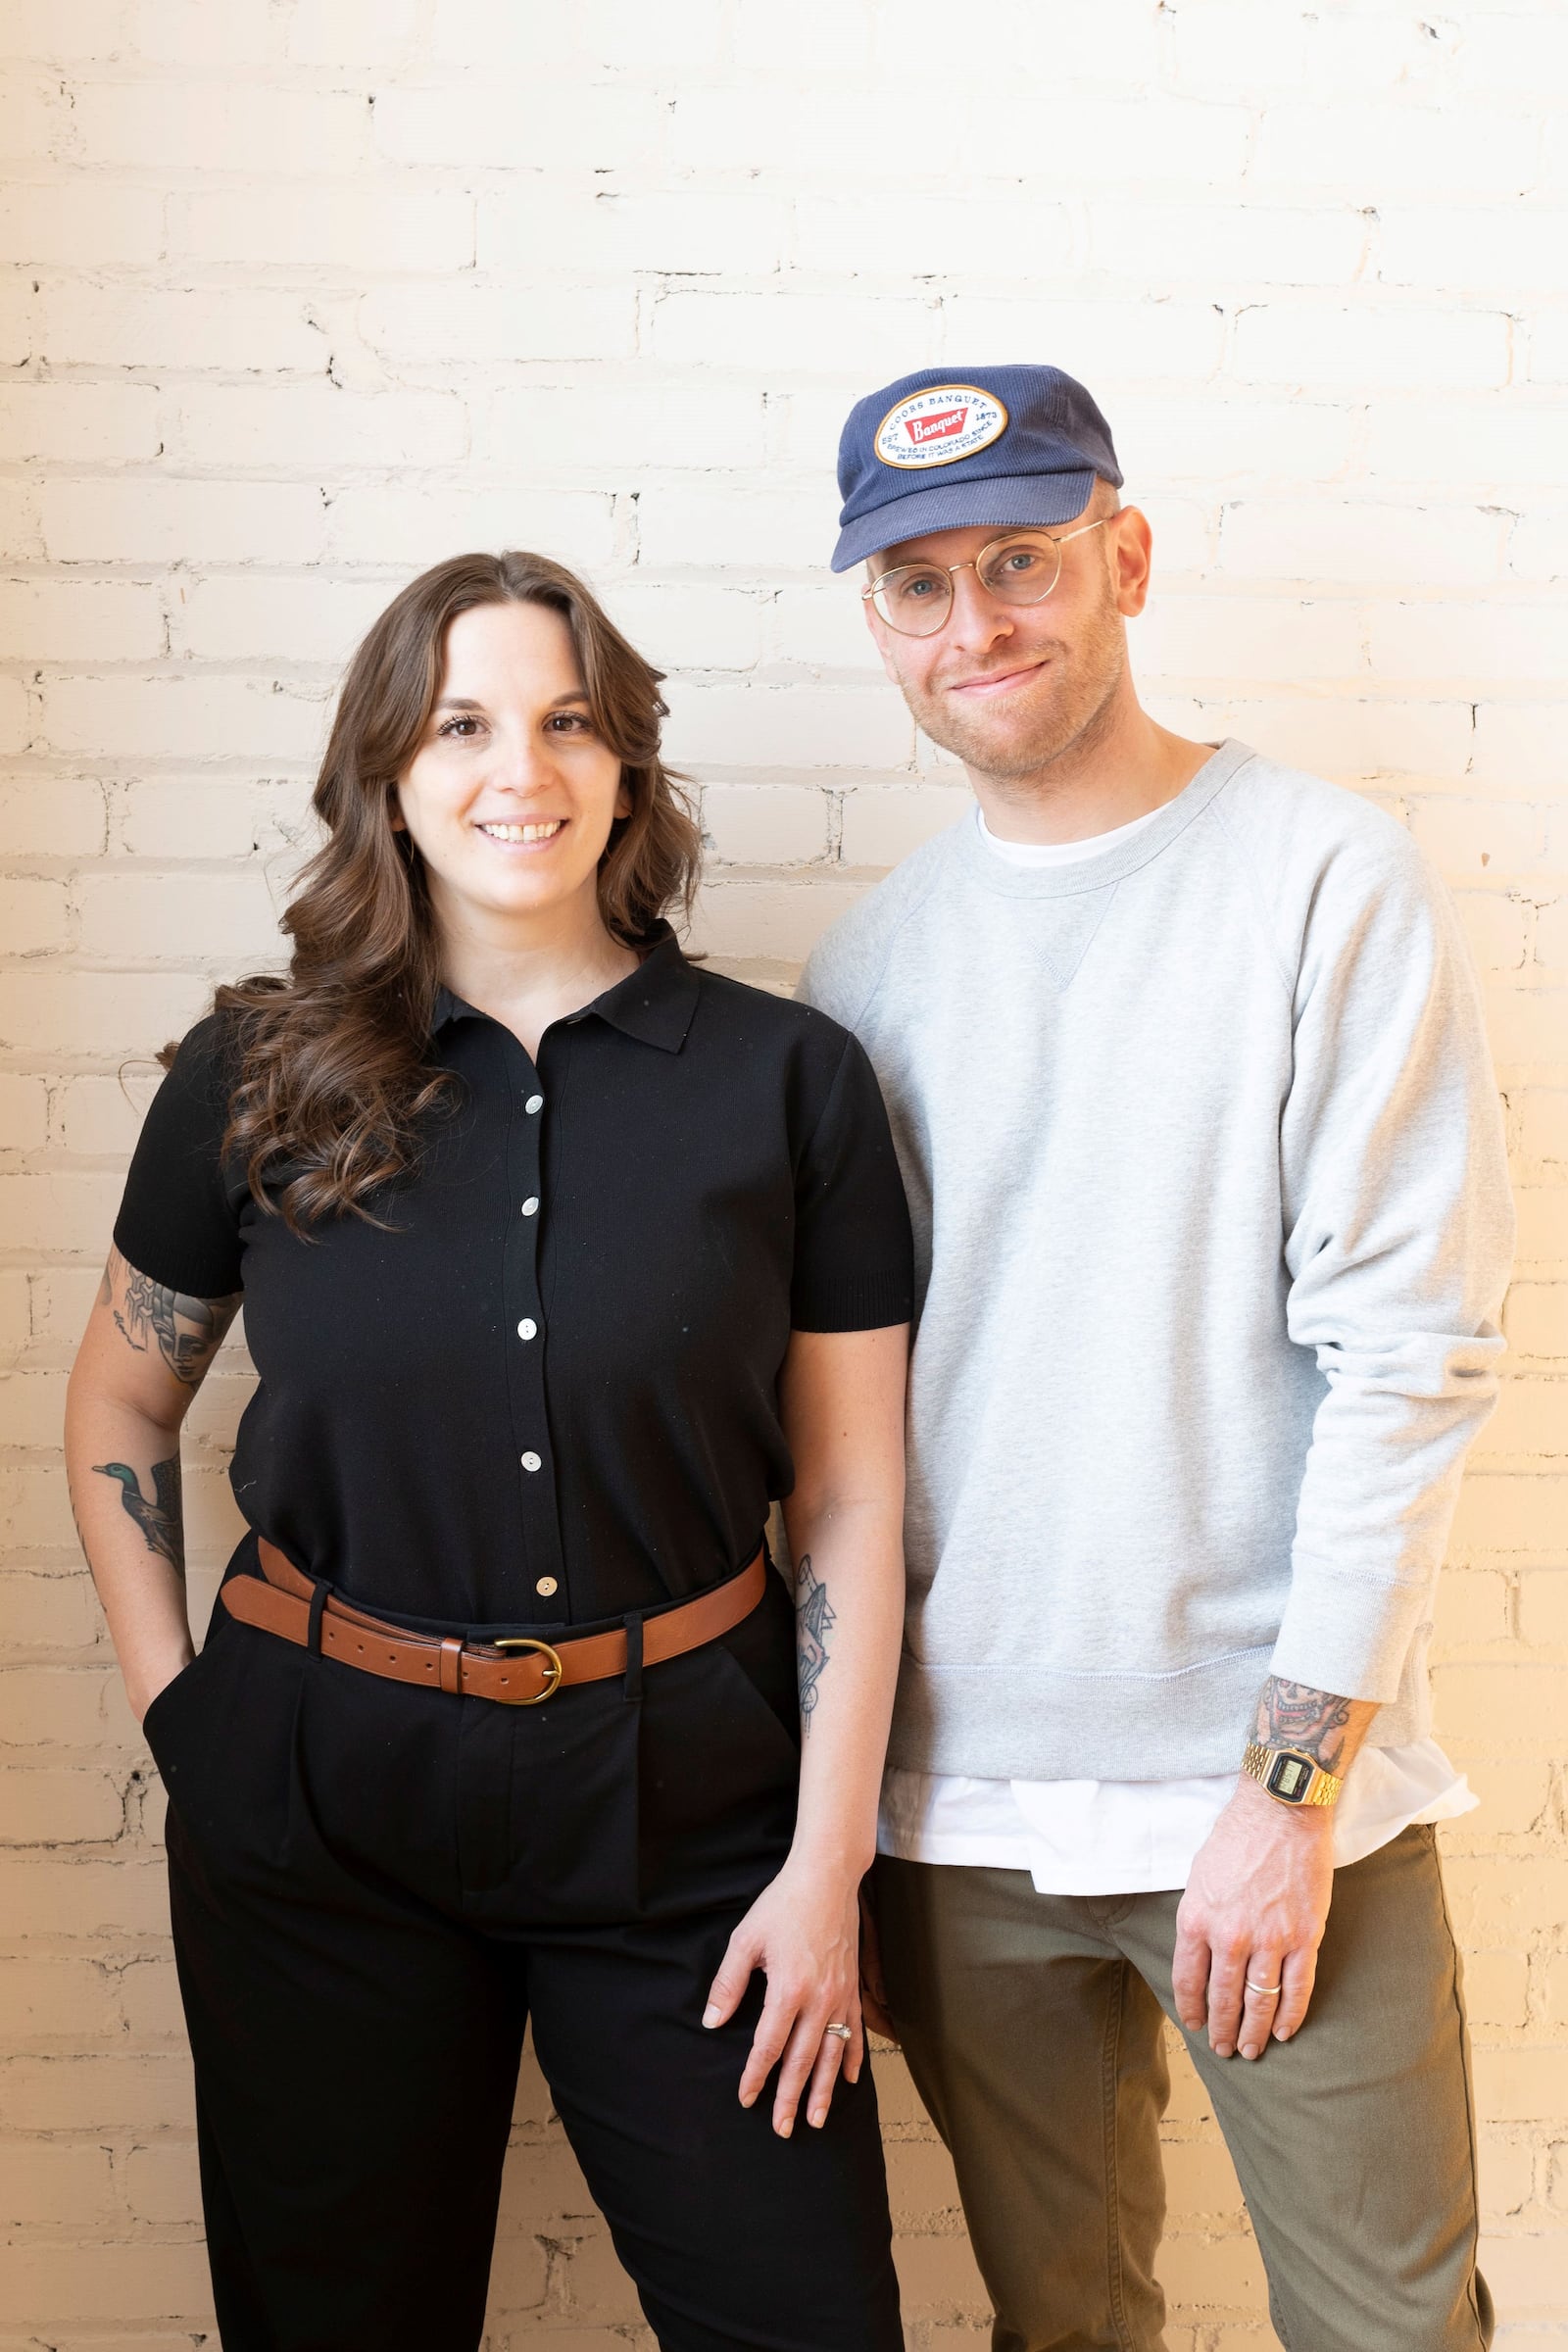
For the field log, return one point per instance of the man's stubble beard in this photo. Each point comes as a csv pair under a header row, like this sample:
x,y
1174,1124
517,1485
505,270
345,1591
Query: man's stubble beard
x,y
1088,678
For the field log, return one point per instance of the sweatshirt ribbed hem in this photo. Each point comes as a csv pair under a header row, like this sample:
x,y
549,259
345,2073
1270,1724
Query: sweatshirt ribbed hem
x,y
1024,1724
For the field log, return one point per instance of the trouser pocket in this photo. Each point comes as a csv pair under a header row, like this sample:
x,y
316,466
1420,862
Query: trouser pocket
x,y
720,1761
222,1736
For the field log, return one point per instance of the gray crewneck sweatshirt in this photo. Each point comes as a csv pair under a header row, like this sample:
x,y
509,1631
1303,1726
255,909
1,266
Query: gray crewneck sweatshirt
x,y
1212,1228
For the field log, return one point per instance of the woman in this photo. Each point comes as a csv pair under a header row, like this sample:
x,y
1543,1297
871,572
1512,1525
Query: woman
x,y
560,1258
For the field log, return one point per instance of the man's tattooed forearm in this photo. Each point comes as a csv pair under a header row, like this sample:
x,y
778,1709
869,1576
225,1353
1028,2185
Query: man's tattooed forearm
x,y
185,1331
813,1622
162,1521
1290,1715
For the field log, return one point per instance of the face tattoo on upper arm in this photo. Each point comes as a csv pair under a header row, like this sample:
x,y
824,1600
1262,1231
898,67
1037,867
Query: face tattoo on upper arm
x,y
814,1621
186,1332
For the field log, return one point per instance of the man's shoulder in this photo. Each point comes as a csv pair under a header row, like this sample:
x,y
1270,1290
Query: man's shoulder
x,y
1294,828
1332,872
845,968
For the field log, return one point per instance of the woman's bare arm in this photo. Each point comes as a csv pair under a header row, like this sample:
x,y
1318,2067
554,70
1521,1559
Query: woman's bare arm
x,y
842,1395
144,1354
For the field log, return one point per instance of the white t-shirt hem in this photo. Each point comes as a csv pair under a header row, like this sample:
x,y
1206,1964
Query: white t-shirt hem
x,y
1106,1838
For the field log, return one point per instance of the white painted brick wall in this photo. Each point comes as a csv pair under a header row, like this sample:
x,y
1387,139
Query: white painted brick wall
x,y
298,296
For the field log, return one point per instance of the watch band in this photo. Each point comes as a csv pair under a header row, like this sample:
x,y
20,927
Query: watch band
x,y
1318,1788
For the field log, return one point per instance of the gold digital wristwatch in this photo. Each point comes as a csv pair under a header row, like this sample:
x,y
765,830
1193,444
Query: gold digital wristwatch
x,y
1291,1777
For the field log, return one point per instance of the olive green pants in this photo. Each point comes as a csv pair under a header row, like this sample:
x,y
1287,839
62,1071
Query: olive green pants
x,y
1034,2031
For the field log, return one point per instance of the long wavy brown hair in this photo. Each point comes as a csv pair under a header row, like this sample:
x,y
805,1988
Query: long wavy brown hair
x,y
333,1081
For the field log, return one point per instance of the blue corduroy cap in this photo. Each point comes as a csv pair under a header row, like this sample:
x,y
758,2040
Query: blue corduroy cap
x,y
952,446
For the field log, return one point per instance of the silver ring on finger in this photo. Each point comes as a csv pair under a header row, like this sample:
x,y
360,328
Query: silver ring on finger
x,y
1264,1989
839,2032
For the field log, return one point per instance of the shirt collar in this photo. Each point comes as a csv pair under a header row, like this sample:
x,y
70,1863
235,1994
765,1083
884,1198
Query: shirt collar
x,y
653,1004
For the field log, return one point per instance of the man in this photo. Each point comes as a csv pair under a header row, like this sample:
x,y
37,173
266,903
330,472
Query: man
x,y
1187,1073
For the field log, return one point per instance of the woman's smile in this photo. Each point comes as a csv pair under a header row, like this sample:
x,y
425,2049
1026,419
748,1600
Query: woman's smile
x,y
531,836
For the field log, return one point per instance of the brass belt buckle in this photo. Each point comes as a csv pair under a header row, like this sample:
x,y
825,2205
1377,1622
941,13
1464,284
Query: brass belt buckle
x,y
552,1666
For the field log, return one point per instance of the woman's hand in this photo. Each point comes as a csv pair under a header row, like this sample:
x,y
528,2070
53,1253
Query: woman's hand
x,y
804,1931
147,1686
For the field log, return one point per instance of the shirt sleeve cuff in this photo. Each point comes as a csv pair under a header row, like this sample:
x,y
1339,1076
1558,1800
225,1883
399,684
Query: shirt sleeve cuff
x,y
1347,1633
197,1276
854,1302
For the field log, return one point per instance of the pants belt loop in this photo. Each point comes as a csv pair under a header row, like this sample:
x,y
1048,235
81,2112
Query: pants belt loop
x,y
313,1633
634,1659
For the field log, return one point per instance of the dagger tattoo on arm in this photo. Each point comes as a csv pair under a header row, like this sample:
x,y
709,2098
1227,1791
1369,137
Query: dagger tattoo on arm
x,y
813,1622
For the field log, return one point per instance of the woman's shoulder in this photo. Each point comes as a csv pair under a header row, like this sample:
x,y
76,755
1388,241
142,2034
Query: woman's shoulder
x,y
756,1017
207,1062
762,1048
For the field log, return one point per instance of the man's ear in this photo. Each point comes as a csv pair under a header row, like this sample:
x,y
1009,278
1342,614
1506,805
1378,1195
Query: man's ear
x,y
1131,556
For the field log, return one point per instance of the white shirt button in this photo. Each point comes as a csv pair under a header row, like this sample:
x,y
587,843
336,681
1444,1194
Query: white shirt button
x,y
546,1585
531,1461
533,1103
530,1205
527,1328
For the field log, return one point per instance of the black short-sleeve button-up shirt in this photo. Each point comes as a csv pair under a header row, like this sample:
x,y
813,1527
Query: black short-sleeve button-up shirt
x,y
548,1394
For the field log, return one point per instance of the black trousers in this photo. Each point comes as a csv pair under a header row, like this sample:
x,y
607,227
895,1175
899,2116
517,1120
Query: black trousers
x,y
375,1887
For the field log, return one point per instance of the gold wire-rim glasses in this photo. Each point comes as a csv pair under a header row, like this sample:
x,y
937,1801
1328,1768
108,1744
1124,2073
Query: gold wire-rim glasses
x,y
1058,540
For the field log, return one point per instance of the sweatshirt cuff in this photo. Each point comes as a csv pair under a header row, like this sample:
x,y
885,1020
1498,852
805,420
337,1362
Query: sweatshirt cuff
x,y
1348,1634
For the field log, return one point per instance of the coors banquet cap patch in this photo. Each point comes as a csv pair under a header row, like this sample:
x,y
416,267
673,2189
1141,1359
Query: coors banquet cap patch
x,y
938,426
1013,447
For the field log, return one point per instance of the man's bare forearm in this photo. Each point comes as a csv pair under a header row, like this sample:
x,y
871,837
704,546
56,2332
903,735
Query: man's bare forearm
x,y
1322,1725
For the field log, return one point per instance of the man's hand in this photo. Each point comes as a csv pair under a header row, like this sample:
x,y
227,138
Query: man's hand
x,y
1254,1915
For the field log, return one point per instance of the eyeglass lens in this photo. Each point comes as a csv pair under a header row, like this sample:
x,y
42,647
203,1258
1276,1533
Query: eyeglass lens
x,y
916,599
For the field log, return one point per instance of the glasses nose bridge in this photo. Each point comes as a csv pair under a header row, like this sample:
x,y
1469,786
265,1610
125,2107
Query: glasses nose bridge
x,y
983,589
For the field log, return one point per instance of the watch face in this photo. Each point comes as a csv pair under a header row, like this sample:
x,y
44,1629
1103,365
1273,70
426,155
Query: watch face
x,y
1289,1777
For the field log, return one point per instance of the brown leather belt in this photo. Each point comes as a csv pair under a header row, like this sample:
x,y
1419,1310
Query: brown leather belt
x,y
516,1671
